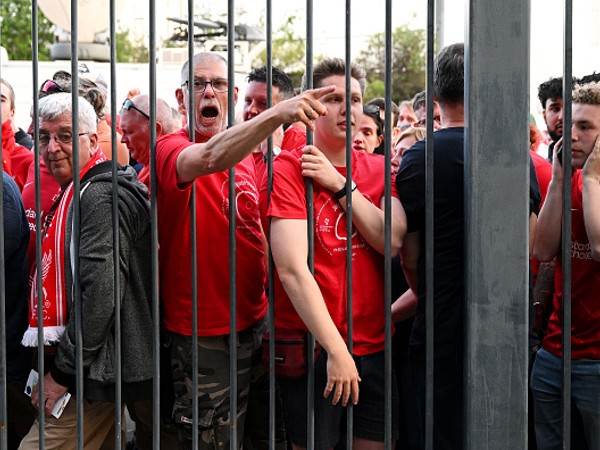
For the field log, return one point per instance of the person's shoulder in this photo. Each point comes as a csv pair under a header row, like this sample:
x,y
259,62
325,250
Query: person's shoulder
x,y
11,190
372,161
174,139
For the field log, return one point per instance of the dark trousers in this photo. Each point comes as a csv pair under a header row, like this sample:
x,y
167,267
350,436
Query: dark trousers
x,y
447,399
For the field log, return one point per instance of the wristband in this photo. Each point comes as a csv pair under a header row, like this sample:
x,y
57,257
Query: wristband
x,y
342,192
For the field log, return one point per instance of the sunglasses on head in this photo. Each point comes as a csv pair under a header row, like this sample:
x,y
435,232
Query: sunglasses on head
x,y
51,87
128,104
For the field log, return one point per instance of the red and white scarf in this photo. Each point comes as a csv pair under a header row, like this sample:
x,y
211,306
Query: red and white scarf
x,y
54,289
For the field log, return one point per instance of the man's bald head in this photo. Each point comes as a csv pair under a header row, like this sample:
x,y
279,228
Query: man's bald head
x,y
200,58
135,127
164,115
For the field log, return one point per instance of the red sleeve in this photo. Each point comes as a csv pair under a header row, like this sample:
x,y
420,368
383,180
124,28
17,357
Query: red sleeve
x,y
21,159
288,197
293,138
168,149
543,172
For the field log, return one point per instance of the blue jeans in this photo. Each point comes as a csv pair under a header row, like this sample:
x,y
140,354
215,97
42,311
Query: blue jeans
x,y
546,383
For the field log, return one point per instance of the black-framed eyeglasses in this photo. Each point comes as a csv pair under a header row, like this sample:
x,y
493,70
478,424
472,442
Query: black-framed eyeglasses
x,y
218,84
128,104
63,137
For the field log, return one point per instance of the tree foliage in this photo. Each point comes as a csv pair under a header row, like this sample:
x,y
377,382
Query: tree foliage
x,y
408,64
130,50
15,32
288,51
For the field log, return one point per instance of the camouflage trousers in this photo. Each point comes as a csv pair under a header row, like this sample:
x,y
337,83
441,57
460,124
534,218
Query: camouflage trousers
x,y
214,417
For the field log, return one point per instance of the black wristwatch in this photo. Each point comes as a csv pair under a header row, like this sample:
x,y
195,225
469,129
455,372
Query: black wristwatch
x,y
342,192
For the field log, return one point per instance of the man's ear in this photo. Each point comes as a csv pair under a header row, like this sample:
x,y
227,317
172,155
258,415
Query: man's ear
x,y
93,137
180,100
544,114
235,95
159,129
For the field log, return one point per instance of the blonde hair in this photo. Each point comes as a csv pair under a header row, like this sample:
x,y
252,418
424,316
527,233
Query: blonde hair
x,y
588,93
418,132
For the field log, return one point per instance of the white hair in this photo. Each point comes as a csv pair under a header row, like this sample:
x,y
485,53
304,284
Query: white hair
x,y
57,105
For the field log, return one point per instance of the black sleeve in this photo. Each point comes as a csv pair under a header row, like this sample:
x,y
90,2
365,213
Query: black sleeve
x,y
535,198
410,184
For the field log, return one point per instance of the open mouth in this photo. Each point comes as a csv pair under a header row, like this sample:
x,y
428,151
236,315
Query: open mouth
x,y
209,112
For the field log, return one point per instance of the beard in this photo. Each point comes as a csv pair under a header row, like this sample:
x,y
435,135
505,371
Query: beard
x,y
554,135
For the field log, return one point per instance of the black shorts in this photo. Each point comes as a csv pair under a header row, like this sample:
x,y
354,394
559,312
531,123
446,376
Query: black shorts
x,y
330,423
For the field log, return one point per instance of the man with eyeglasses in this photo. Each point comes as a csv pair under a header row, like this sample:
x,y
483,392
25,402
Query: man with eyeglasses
x,y
135,129
95,277
202,163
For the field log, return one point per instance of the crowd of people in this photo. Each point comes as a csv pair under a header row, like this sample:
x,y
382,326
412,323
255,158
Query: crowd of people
x,y
271,216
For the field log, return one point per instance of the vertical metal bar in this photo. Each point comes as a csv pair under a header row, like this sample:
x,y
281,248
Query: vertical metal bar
x,y
38,217
154,231
429,237
310,220
193,225
496,320
387,288
233,381
566,224
271,268
115,224
76,225
348,86
3,346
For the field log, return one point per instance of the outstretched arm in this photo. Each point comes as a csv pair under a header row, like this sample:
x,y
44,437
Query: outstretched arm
x,y
227,148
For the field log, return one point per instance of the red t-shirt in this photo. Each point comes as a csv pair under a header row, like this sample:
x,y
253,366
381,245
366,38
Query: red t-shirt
x,y
585,306
288,202
49,191
543,172
293,137
16,159
212,231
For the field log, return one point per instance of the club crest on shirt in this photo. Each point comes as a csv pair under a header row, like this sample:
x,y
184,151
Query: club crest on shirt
x,y
330,229
246,203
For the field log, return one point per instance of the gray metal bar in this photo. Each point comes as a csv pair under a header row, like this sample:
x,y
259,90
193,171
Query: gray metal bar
x,y
496,322
566,224
3,349
348,86
193,238
154,231
115,224
438,7
233,381
310,234
76,225
271,268
387,288
38,216
429,237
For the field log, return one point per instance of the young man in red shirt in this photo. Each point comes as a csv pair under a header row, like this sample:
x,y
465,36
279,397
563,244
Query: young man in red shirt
x,y
546,380
203,163
318,302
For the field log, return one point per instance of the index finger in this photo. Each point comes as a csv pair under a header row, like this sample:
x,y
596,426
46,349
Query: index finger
x,y
320,92
354,391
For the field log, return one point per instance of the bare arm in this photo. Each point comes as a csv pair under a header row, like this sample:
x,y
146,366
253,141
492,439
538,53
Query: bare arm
x,y
410,259
405,306
290,250
591,199
368,218
549,225
227,148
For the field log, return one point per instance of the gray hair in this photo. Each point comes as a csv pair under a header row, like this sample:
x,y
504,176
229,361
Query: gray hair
x,y
200,58
55,106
